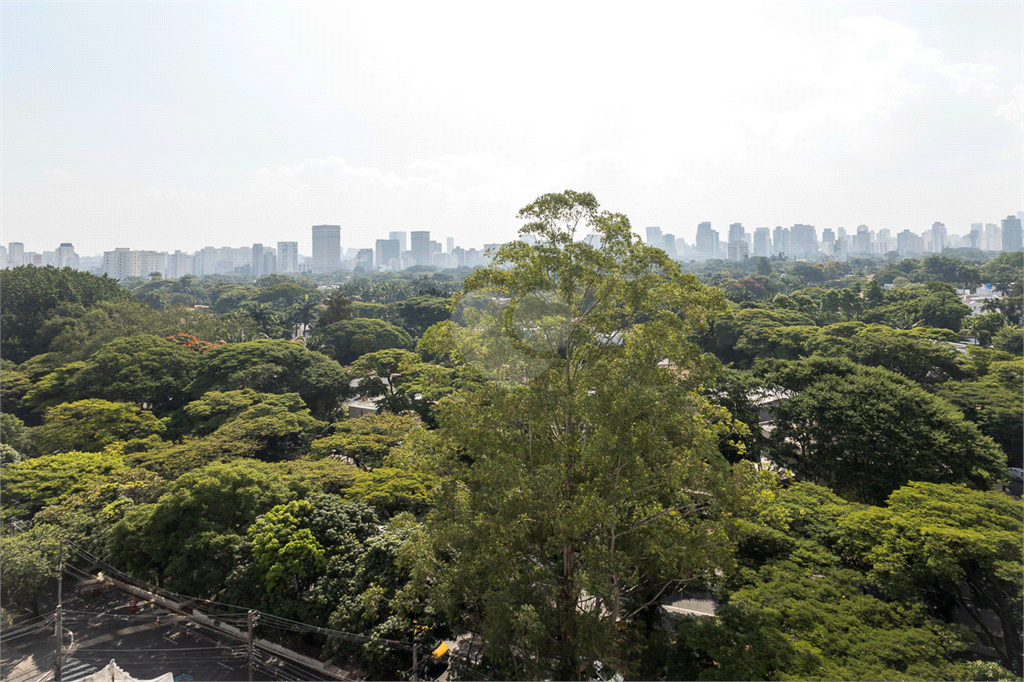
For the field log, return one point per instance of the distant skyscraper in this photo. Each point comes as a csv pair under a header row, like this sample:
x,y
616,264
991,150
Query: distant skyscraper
x,y
364,259
16,254
287,256
736,233
654,237
400,236
828,241
65,256
803,241
388,254
780,240
977,236
1012,234
762,241
449,245
906,243
256,265
668,245
326,248
938,237
420,247
993,237
706,242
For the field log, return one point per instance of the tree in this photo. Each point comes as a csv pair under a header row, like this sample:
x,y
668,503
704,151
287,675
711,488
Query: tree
x,y
349,339
92,425
392,491
29,296
581,486
949,541
273,366
186,541
336,307
15,434
27,564
216,408
148,371
865,431
50,479
1009,340
367,440
419,312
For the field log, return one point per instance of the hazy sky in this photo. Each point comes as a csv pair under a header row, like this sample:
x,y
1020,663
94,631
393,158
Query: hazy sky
x,y
189,124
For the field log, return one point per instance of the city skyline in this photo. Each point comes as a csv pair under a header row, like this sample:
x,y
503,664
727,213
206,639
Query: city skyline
x,y
150,125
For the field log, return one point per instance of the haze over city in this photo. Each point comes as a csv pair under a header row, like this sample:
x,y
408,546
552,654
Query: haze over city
x,y
181,125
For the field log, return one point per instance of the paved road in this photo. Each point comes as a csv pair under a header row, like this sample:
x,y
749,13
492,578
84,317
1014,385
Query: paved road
x,y
146,644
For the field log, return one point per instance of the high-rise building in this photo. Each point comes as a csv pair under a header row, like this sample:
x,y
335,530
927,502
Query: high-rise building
x,y
654,237
884,241
287,256
364,259
400,236
706,242
389,255
906,243
179,264
828,241
16,254
419,247
449,245
122,263
938,237
326,248
976,238
803,241
668,244
66,256
256,268
780,241
762,241
736,232
993,237
1011,234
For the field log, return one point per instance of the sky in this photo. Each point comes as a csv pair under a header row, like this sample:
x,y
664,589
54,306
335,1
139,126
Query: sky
x,y
179,125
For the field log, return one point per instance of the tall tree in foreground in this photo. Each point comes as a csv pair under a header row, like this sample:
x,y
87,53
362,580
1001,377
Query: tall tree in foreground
x,y
584,486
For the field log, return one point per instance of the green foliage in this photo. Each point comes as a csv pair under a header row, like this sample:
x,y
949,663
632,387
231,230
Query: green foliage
x,y
756,332
1009,340
186,541
30,296
148,371
398,381
16,435
27,564
46,480
288,557
336,307
997,407
349,339
419,312
216,408
940,539
575,498
392,491
904,352
866,431
92,425
273,366
366,440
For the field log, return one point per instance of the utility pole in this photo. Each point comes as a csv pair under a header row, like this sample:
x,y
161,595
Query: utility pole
x,y
250,623
59,632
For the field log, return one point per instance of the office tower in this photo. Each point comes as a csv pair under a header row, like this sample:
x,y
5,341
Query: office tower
x,y
1011,234
287,256
993,237
449,245
460,256
400,236
706,242
654,237
256,269
780,240
364,259
66,257
389,255
976,238
938,237
435,248
4,262
762,241
738,250
885,241
906,243
803,240
828,241
178,265
326,248
668,243
269,261
16,254
736,232
420,247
